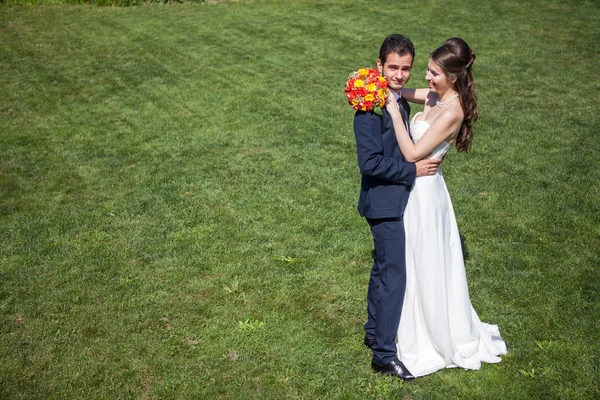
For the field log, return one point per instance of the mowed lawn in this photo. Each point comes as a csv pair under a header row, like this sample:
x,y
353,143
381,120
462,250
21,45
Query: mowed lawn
x,y
178,188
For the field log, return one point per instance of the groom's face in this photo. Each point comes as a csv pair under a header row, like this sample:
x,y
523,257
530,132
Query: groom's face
x,y
396,69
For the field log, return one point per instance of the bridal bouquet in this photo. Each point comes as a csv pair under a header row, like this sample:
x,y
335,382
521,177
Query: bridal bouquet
x,y
366,90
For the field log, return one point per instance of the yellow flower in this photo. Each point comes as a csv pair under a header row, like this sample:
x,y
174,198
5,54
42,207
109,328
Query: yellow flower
x,y
369,97
381,79
363,71
371,87
381,93
359,83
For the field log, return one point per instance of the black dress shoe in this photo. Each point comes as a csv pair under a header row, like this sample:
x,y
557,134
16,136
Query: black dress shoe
x,y
394,367
369,341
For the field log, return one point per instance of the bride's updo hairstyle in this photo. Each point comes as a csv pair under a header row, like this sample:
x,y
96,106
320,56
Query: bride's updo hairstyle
x,y
456,58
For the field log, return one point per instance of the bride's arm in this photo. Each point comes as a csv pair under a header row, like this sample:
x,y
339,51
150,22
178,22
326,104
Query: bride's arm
x,y
443,127
418,96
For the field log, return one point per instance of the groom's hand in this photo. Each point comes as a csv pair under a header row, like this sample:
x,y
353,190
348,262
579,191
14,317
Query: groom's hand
x,y
427,167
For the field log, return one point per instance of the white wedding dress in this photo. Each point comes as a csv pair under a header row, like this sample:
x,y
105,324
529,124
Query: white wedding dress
x,y
439,327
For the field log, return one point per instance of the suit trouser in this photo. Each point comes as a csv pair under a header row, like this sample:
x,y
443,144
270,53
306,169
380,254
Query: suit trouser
x,y
386,286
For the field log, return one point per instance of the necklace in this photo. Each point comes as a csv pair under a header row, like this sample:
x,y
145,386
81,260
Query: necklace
x,y
445,103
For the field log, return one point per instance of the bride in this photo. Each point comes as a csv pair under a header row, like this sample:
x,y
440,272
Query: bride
x,y
439,327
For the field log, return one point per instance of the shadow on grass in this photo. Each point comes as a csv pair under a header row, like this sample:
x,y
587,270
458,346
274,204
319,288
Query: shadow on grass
x,y
463,245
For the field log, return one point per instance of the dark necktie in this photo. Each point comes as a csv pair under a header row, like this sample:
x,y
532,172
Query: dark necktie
x,y
403,105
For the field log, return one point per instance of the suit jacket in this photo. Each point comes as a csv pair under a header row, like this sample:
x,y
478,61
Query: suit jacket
x,y
386,177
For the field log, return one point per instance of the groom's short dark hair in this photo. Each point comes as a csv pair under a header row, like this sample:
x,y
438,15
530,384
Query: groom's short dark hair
x,y
396,43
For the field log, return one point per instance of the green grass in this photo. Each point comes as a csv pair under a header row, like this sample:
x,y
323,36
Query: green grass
x,y
178,188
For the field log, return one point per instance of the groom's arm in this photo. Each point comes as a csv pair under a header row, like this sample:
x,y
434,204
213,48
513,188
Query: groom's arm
x,y
369,146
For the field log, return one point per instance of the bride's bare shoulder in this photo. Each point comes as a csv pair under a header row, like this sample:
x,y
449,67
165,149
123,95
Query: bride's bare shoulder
x,y
456,110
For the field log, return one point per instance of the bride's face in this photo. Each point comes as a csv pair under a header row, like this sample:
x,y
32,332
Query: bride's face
x,y
438,81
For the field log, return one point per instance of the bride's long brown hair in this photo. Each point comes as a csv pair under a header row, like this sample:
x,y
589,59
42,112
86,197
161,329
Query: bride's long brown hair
x,y
456,58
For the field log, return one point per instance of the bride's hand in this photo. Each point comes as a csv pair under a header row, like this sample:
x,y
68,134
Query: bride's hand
x,y
391,104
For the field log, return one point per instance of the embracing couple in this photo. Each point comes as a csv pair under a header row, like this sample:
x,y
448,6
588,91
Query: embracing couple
x,y
420,318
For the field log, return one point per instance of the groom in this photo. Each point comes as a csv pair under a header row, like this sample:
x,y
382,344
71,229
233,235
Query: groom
x,y
385,186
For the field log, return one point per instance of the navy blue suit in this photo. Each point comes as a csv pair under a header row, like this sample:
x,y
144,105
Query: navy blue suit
x,y
385,186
